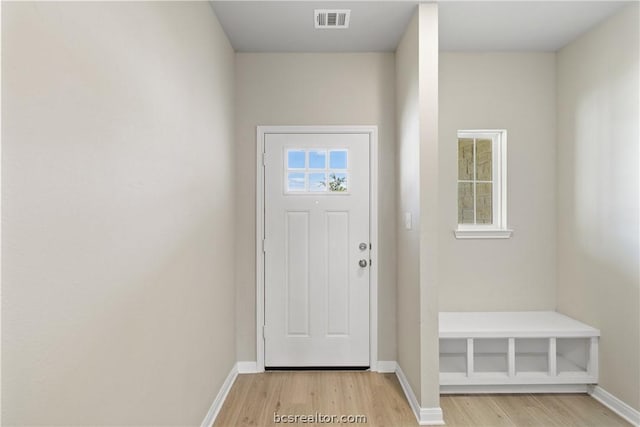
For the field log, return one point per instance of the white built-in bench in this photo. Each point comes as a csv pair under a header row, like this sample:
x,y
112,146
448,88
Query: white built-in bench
x,y
529,351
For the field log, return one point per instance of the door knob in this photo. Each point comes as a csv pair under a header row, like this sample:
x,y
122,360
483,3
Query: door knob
x,y
362,263
362,246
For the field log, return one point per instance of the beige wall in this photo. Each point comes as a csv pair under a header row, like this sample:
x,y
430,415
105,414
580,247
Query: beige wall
x,y
117,176
516,92
313,89
408,202
429,183
598,248
417,187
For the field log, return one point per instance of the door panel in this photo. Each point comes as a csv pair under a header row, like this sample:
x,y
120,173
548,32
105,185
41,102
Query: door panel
x,y
316,216
297,277
338,273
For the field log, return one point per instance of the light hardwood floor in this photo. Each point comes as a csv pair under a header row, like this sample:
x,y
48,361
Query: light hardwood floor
x,y
255,398
543,410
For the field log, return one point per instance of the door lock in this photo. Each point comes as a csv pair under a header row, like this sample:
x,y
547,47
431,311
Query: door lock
x,y
362,246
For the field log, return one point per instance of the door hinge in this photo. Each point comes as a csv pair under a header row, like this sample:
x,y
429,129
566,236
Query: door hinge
x,y
264,159
264,332
264,245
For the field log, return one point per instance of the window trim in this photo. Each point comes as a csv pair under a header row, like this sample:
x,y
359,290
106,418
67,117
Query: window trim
x,y
499,229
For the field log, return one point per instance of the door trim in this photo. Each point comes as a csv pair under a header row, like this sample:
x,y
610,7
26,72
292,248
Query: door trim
x,y
261,131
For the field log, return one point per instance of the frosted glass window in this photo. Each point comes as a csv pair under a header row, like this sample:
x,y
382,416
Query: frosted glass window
x,y
482,183
483,160
475,178
465,159
465,203
484,206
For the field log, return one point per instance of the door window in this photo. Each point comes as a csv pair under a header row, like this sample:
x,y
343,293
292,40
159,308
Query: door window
x,y
317,171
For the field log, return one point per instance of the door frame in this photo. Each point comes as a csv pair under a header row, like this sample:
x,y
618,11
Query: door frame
x,y
372,131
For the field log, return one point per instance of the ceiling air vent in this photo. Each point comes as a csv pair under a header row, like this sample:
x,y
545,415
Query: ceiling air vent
x,y
326,19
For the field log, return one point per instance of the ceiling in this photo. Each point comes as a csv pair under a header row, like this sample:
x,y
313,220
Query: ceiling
x,y
523,25
378,26
265,26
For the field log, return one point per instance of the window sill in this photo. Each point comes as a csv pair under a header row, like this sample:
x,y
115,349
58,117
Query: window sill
x,y
483,234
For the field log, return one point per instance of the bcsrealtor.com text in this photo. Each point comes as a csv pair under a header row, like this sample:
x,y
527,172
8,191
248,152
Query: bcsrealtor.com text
x,y
318,418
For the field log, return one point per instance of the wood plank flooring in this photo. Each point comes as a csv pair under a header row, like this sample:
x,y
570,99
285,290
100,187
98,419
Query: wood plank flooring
x,y
255,398
540,410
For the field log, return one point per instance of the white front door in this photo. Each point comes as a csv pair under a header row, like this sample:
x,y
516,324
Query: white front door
x,y
316,250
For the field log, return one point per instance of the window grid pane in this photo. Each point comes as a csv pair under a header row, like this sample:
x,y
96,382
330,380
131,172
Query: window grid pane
x,y
296,159
317,159
338,182
317,182
296,181
484,203
465,159
465,203
338,159
483,160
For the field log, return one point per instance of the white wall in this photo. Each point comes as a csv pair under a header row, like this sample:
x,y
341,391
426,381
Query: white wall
x,y
598,194
408,202
516,92
313,89
117,179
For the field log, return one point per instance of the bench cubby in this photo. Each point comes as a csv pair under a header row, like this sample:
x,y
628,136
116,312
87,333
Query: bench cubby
x,y
516,352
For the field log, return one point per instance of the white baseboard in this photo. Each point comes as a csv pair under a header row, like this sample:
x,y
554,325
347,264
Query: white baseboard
x,y
425,416
220,398
616,405
250,367
386,367
513,388
431,417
